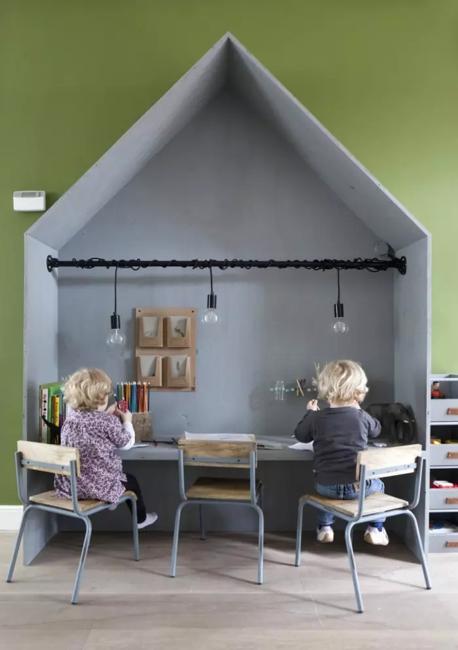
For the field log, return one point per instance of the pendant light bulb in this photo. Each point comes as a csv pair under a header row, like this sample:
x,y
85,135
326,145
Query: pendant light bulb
x,y
210,315
339,326
115,340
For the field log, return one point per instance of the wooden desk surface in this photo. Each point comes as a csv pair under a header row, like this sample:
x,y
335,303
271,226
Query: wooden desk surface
x,y
162,451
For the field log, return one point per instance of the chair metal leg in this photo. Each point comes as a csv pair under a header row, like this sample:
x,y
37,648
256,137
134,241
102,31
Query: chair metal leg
x,y
354,573
84,550
260,544
17,545
203,536
423,561
135,529
176,534
300,516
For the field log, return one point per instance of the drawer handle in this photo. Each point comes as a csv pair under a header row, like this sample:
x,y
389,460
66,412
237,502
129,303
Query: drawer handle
x,y
451,544
452,500
452,411
452,454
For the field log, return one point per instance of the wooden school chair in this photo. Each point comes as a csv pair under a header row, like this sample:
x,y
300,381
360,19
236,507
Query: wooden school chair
x,y
219,491
372,463
54,459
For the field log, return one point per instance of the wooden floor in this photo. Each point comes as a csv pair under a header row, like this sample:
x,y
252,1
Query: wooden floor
x,y
213,604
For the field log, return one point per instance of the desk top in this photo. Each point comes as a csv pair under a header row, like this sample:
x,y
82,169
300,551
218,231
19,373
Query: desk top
x,y
166,451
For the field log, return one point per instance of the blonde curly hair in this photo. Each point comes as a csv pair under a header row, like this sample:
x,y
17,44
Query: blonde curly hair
x,y
342,382
87,388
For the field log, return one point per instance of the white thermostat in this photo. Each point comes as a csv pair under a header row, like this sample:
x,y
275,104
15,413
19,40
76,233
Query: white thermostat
x,y
29,201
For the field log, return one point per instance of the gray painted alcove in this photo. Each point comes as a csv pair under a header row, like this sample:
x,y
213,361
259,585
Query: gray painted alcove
x,y
229,164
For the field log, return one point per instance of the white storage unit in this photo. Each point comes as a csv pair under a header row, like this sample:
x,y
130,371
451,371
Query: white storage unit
x,y
443,502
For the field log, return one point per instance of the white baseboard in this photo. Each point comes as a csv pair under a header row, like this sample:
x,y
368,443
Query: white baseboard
x,y
10,517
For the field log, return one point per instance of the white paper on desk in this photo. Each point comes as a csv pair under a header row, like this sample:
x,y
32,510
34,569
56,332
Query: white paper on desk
x,y
140,444
224,437
302,446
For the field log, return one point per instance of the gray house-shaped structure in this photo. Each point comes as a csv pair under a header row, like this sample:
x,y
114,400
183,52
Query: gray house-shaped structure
x,y
226,70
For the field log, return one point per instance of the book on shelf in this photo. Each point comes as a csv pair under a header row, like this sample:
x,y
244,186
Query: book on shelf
x,y
52,412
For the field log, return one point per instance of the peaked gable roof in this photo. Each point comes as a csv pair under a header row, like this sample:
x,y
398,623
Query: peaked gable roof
x,y
228,62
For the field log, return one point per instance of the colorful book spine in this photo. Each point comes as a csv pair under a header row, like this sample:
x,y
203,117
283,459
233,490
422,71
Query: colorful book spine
x,y
43,427
52,412
136,394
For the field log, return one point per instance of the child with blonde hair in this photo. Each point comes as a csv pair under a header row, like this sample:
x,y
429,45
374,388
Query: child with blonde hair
x,y
98,432
338,433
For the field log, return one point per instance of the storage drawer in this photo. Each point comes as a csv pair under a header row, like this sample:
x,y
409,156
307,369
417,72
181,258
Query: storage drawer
x,y
443,499
439,408
444,455
443,542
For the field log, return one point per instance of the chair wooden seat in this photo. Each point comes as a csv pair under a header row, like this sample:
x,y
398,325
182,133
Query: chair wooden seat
x,y
373,504
52,499
222,489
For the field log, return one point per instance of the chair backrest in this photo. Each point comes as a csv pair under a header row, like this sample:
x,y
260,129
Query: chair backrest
x,y
217,453
388,461
53,459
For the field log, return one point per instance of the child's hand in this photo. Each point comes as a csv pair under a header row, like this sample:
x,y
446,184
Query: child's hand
x,y
313,405
124,416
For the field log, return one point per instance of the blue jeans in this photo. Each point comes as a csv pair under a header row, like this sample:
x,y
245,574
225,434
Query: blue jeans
x,y
347,491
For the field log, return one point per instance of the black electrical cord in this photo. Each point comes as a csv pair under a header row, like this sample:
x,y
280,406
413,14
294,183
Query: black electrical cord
x,y
338,286
373,265
116,291
211,297
338,306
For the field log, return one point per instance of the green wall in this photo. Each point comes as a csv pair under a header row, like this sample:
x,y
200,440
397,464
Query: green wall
x,y
75,74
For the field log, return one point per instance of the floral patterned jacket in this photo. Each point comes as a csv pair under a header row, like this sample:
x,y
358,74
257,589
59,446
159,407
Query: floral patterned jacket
x,y
97,435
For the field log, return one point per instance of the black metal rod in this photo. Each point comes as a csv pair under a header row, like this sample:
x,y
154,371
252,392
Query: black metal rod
x,y
373,264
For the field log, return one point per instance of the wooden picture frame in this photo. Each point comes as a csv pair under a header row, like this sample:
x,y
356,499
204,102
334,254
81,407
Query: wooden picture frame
x,y
178,331
151,331
178,371
149,369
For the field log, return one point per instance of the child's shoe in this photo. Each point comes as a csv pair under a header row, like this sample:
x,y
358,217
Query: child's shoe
x,y
150,518
376,536
325,534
